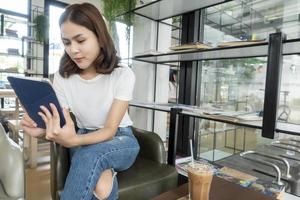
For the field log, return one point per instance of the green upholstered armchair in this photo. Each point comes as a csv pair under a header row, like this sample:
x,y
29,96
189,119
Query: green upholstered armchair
x,y
11,169
148,177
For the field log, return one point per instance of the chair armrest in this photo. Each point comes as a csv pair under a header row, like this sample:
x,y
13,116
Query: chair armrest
x,y
151,145
59,166
12,166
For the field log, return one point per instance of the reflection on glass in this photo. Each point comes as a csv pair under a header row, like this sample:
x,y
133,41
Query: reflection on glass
x,y
11,62
216,140
173,86
121,32
235,87
15,26
123,40
251,20
143,2
289,101
176,31
11,47
233,84
174,67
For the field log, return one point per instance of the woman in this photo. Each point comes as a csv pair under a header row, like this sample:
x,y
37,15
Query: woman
x,y
97,90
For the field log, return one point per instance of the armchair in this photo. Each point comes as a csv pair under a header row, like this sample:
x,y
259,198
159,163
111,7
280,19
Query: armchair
x,y
11,169
148,177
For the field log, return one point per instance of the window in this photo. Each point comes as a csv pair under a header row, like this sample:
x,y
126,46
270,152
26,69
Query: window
x,y
19,6
56,48
13,29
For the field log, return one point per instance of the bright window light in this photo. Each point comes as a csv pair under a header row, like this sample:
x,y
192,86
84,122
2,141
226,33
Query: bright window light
x,y
19,6
56,48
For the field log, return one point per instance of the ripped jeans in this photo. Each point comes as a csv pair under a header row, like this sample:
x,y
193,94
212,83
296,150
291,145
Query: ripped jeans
x,y
89,161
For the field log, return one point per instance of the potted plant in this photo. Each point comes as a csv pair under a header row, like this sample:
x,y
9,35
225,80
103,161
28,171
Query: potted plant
x,y
113,8
40,26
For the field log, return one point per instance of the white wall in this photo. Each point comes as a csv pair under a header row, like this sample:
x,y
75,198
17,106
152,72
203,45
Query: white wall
x,y
144,40
162,80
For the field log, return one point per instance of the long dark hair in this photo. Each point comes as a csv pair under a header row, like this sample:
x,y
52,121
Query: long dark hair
x,y
87,15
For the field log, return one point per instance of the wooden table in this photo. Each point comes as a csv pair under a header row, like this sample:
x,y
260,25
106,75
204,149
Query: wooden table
x,y
7,93
220,190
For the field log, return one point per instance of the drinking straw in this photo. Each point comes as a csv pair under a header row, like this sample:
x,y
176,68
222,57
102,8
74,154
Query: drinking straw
x,y
192,153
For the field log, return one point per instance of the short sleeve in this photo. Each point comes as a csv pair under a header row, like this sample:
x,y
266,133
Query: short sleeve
x,y
59,90
124,84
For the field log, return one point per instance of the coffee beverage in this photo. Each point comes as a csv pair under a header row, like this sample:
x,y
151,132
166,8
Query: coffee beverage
x,y
200,177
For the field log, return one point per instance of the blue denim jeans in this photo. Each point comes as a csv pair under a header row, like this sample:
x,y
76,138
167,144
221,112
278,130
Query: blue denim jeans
x,y
89,161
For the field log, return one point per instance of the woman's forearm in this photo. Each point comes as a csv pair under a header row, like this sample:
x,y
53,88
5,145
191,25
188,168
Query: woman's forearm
x,y
94,137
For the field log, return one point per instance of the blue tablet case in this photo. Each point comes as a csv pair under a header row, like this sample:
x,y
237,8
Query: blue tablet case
x,y
33,93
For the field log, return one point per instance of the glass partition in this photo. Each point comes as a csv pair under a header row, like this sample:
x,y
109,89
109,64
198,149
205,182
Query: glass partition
x,y
251,20
12,48
230,80
288,112
216,140
232,84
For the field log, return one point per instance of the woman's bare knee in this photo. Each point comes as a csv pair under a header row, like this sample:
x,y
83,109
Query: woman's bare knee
x,y
104,184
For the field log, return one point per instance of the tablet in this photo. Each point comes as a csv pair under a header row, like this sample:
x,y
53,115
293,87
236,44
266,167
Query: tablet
x,y
33,93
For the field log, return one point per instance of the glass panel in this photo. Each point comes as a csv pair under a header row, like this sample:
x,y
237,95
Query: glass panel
x,y
220,140
11,48
169,8
124,41
142,118
122,32
11,64
175,23
217,53
233,84
161,125
173,84
15,27
11,44
215,140
204,139
144,74
288,112
251,20
19,6
144,2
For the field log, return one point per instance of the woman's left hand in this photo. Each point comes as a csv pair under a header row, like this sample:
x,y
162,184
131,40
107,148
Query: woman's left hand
x,y
65,135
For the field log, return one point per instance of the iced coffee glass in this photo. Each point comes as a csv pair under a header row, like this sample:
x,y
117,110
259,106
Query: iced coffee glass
x,y
200,177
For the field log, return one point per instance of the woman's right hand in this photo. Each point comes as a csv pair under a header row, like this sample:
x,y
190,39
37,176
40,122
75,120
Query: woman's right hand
x,y
30,127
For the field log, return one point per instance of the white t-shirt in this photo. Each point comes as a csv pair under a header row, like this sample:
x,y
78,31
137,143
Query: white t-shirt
x,y
90,100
